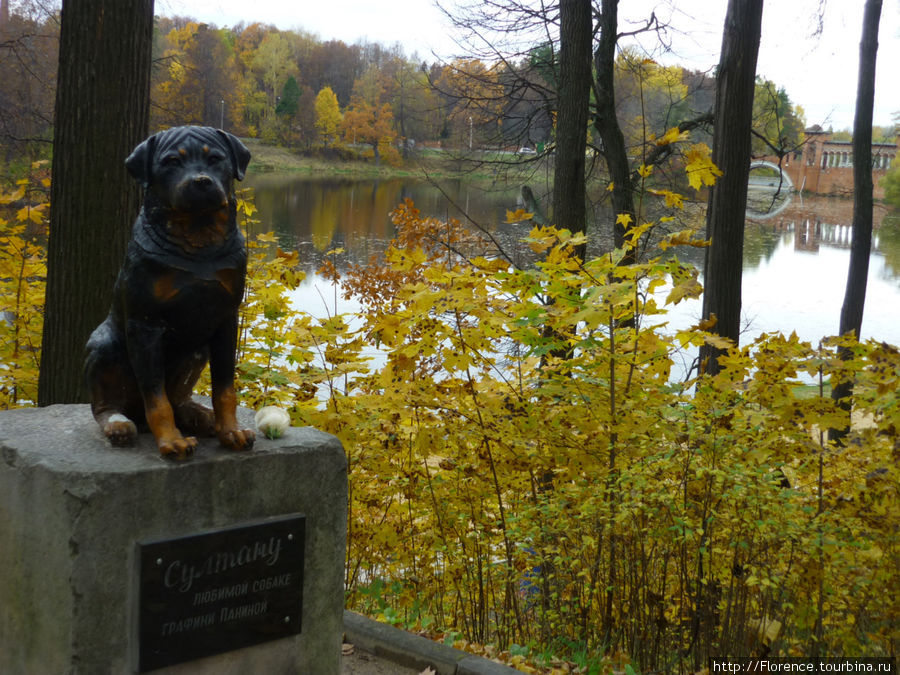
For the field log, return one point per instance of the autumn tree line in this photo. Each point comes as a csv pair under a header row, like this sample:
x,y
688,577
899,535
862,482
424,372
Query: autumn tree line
x,y
291,88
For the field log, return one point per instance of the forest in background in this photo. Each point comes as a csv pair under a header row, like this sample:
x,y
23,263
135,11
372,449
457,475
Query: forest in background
x,y
365,100
291,88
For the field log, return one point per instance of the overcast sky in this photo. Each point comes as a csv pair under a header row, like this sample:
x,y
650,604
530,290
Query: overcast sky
x,y
819,73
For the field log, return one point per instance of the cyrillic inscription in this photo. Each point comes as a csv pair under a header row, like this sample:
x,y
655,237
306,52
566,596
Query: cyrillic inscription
x,y
220,590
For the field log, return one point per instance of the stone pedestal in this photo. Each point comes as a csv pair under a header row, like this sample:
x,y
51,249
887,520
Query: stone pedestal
x,y
74,512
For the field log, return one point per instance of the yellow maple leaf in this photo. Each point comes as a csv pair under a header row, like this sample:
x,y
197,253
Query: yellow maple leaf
x,y
718,341
706,324
635,233
672,198
404,260
246,206
518,216
624,219
683,238
33,213
699,166
541,238
13,197
690,288
673,135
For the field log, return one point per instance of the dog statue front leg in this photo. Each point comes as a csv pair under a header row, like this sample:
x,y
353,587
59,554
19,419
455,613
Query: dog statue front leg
x,y
224,399
161,420
229,432
145,350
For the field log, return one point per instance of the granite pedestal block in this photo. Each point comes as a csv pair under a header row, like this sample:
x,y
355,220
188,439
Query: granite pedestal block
x,y
75,513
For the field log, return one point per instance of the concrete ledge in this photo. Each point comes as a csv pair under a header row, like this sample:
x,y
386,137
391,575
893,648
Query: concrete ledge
x,y
415,651
72,508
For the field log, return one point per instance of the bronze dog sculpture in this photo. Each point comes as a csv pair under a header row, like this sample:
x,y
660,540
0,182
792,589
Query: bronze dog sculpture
x,y
175,302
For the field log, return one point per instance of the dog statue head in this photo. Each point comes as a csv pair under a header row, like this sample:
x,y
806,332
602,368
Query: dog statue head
x,y
190,168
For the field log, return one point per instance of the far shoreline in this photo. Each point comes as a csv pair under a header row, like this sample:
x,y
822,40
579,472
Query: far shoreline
x,y
423,164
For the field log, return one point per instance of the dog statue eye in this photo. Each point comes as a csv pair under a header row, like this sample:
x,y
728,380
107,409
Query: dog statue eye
x,y
171,160
215,158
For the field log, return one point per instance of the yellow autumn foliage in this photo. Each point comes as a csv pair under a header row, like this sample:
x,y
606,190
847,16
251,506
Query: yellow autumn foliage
x,y
595,505
528,472
23,274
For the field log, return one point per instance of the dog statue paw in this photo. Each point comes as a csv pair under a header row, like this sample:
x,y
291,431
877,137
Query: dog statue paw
x,y
177,448
119,430
237,439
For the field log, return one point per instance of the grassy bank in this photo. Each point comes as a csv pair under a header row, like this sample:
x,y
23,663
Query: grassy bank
x,y
271,158
428,162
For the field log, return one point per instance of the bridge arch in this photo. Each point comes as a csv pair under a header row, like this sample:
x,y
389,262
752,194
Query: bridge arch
x,y
784,190
761,163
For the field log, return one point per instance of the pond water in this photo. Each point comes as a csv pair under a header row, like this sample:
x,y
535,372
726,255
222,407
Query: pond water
x,y
794,270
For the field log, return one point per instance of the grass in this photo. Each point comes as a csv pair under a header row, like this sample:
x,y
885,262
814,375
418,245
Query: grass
x,y
808,391
273,158
426,162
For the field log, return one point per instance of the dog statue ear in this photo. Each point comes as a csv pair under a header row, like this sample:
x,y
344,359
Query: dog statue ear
x,y
139,162
240,155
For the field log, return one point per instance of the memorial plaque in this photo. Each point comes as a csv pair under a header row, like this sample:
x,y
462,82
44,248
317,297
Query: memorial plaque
x,y
219,590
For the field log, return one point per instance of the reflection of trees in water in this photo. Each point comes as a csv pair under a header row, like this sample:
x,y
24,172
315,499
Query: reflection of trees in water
x,y
831,210
760,242
815,221
765,204
319,215
887,240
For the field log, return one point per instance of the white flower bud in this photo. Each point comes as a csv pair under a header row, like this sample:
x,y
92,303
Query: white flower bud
x,y
272,421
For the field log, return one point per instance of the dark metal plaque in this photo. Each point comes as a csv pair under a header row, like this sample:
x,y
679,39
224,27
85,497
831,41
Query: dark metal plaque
x,y
220,590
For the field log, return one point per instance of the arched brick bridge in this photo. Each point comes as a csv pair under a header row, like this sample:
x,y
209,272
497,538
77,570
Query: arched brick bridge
x,y
825,166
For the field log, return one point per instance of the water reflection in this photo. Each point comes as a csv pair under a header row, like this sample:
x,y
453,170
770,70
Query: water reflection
x,y
315,215
795,271
765,202
887,241
795,262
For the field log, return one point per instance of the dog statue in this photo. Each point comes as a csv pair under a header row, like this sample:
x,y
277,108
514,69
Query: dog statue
x,y
175,302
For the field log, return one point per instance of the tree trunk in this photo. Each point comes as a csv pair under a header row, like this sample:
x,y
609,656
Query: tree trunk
x,y
726,212
606,123
861,244
102,107
573,95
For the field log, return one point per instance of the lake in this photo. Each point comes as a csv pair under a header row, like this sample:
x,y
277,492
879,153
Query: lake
x,y
795,261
